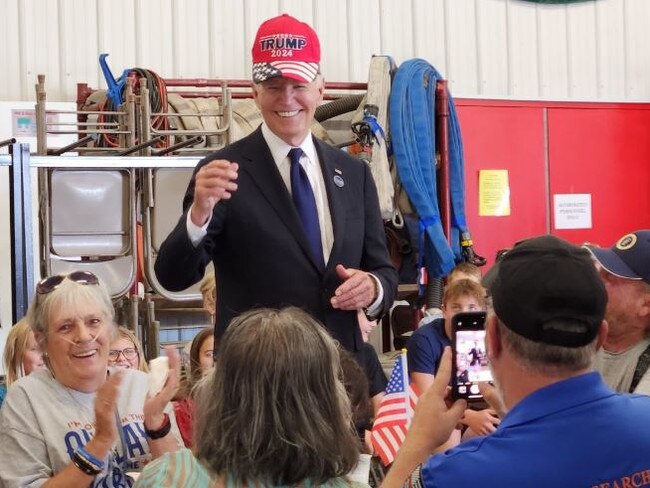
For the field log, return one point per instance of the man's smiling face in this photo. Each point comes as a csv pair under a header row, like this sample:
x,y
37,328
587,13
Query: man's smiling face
x,y
288,106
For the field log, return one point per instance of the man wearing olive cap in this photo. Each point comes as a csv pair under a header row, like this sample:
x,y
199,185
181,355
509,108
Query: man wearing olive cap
x,y
625,271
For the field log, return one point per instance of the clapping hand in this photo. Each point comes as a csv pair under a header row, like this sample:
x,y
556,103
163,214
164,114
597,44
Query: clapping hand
x,y
154,405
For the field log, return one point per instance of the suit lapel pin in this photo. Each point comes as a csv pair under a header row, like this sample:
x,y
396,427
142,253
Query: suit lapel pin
x,y
338,181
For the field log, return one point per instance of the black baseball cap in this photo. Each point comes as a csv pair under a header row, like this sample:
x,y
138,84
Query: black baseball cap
x,y
546,278
491,275
629,258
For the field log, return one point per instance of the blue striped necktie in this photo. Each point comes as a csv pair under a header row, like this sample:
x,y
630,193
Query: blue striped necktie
x,y
303,198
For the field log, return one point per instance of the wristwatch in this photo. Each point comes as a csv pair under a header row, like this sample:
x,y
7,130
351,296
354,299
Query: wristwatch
x,y
161,431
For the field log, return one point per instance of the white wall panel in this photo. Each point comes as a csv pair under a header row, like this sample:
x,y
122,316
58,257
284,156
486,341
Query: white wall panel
x,y
462,62
42,52
637,55
115,35
331,23
552,51
492,48
396,34
430,40
11,58
593,50
582,71
191,38
610,52
154,36
523,65
229,57
364,34
301,10
78,45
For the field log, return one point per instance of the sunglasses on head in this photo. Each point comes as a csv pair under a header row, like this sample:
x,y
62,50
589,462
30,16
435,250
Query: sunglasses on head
x,y
49,284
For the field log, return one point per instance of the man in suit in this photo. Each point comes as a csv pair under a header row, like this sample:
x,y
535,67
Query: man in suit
x,y
286,218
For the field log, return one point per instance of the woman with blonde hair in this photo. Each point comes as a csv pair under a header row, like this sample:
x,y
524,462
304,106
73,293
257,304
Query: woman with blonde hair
x,y
208,289
21,355
273,413
126,351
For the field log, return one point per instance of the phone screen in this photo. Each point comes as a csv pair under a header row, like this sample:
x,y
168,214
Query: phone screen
x,y
470,359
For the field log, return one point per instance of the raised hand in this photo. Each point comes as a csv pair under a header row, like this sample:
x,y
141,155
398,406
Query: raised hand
x,y
105,405
213,182
154,406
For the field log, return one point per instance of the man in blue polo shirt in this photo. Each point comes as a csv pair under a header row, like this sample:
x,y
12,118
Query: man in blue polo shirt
x,y
565,427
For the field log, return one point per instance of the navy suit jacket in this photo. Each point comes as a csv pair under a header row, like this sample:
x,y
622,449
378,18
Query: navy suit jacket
x,y
261,254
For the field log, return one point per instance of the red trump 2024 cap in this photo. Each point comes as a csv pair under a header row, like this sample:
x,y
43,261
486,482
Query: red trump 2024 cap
x,y
285,46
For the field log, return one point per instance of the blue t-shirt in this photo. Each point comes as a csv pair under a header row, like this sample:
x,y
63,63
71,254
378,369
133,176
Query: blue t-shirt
x,y
3,394
574,433
424,348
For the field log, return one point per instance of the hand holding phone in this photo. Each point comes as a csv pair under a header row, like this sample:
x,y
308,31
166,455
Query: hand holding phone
x,y
470,363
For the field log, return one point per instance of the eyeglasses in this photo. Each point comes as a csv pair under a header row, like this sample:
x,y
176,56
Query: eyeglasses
x,y
128,353
49,284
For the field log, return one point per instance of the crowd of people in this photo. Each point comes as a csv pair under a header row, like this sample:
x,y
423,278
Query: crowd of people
x,y
283,404
283,390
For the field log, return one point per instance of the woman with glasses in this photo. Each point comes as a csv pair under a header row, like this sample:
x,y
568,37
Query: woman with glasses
x,y
273,413
126,351
78,423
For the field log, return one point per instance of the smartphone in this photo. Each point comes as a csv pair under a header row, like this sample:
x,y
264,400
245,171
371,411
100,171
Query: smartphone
x,y
470,363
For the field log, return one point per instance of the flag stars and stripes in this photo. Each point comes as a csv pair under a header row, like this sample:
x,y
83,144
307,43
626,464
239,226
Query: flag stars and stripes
x,y
264,71
394,414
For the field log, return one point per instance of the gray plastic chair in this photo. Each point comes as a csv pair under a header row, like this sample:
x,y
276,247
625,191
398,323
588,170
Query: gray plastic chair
x,y
88,219
165,188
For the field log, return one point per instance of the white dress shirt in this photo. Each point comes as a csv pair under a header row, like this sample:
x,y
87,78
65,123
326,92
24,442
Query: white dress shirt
x,y
310,163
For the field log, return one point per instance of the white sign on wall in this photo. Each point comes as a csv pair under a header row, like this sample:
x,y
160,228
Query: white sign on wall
x,y
572,211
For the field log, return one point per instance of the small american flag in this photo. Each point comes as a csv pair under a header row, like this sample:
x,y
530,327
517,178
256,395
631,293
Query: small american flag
x,y
395,413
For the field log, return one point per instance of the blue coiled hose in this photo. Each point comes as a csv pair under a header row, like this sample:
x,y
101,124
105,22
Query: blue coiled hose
x,y
412,122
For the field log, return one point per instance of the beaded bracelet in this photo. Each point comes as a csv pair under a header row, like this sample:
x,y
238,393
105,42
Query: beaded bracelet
x,y
98,463
161,431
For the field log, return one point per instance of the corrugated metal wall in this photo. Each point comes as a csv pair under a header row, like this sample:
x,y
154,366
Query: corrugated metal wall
x,y
595,50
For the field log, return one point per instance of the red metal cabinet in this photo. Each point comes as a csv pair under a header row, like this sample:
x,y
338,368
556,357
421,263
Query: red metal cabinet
x,y
557,148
